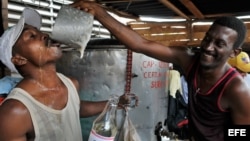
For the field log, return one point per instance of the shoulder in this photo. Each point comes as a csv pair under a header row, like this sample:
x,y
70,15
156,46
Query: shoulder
x,y
15,118
13,108
237,85
72,79
75,82
237,93
237,98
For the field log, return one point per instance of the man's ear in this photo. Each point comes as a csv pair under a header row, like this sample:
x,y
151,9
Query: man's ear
x,y
235,52
18,60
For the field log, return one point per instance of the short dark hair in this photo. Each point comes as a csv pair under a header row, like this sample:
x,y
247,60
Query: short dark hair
x,y
235,24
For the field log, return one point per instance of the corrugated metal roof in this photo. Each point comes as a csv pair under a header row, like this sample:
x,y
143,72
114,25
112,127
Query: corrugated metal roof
x,y
173,8
191,10
165,32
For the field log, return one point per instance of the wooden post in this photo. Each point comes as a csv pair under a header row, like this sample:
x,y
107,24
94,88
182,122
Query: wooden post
x,y
4,7
5,13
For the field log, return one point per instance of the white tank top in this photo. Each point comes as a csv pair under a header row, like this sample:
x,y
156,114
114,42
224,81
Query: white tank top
x,y
50,124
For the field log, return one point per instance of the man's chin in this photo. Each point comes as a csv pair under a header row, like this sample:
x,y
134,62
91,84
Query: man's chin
x,y
205,64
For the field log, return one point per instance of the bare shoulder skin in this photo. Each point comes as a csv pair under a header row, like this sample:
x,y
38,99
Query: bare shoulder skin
x,y
15,122
236,98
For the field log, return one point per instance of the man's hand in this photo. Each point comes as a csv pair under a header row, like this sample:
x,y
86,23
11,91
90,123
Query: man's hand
x,y
128,100
87,6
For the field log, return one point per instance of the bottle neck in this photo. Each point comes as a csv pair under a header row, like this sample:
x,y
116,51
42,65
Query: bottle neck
x,y
110,115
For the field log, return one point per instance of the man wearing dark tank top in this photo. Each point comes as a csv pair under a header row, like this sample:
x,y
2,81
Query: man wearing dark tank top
x,y
218,95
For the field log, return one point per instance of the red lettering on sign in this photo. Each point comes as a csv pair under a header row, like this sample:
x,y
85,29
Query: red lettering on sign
x,y
147,64
157,84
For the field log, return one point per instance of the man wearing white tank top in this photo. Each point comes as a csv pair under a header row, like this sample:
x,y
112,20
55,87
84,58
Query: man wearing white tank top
x,y
44,105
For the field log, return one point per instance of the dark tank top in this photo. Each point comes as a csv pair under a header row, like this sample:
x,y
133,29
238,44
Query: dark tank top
x,y
207,119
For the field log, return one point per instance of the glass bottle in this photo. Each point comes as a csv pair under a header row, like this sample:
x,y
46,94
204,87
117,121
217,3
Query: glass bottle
x,y
104,126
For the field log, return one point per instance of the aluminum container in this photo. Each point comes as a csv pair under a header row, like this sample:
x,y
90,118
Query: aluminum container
x,y
73,28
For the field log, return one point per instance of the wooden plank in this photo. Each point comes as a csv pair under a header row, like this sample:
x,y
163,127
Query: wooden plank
x,y
151,24
177,43
198,35
248,36
165,34
158,30
248,25
192,8
204,28
193,44
5,13
174,8
167,37
200,28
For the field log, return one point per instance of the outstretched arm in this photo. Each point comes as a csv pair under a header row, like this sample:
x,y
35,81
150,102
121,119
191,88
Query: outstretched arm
x,y
131,39
91,108
88,108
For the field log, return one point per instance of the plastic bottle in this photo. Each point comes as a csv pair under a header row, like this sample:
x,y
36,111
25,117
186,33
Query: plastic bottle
x,y
104,126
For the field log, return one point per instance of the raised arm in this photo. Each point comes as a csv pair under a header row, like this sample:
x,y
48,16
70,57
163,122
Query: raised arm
x,y
131,39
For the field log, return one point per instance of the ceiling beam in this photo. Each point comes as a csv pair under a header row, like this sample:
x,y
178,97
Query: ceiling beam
x,y
119,1
174,8
192,8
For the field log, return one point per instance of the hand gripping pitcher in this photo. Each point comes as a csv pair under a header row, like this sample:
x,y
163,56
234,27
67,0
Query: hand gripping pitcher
x,y
104,126
73,28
